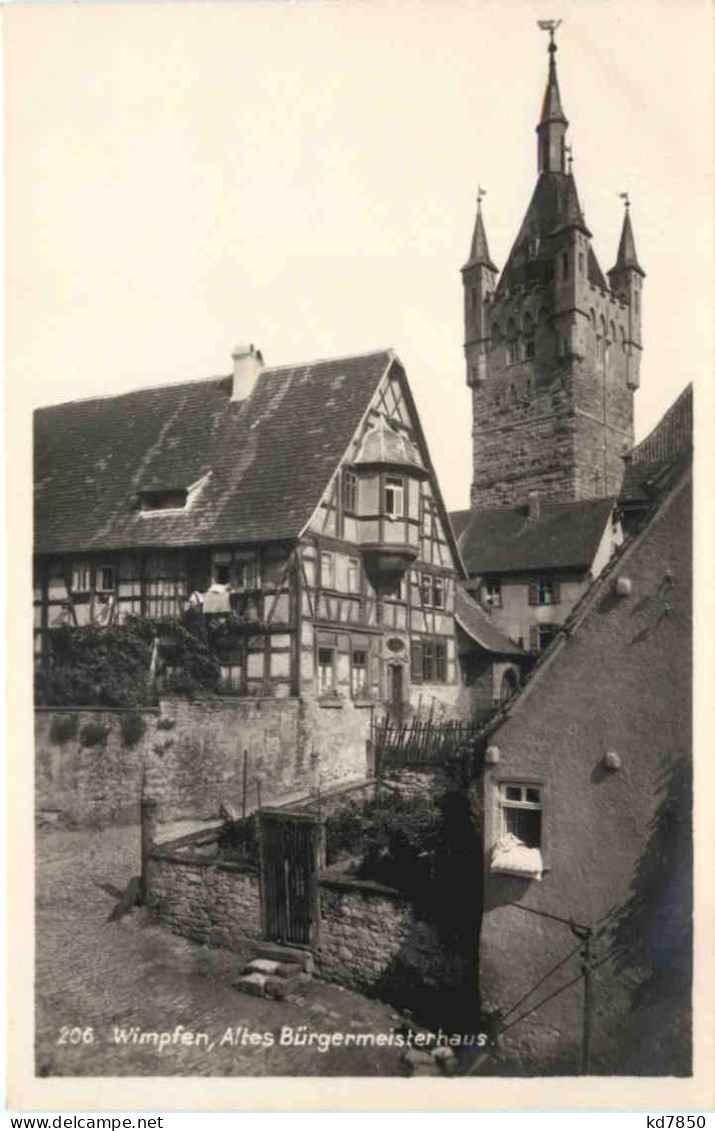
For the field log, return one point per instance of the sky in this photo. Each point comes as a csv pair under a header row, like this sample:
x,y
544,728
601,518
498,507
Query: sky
x,y
182,177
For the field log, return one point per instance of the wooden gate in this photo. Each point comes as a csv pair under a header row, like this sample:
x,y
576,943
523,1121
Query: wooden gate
x,y
289,870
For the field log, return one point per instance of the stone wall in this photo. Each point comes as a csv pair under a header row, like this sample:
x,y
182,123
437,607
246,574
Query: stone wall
x,y
191,758
205,900
372,939
86,784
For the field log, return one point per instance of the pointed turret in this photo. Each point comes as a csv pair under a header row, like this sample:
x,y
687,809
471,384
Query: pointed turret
x,y
627,258
626,280
478,279
479,253
551,129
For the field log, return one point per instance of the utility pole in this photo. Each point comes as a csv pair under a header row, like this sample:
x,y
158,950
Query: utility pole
x,y
585,935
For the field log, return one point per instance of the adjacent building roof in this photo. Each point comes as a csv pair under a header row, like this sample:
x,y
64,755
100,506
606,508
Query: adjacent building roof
x,y
479,626
270,457
506,540
671,438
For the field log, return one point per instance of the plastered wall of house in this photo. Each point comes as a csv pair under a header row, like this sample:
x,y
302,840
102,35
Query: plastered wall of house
x,y
595,820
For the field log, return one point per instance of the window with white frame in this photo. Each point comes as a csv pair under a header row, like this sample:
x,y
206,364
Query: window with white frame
x,y
350,492
327,570
520,808
394,496
491,594
106,579
358,672
432,589
353,575
81,577
326,671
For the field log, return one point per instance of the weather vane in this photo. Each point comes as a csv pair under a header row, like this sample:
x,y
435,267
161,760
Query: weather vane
x,y
625,198
481,193
550,26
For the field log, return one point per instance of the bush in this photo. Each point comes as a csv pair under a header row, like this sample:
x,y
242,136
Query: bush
x,y
110,665
63,728
238,840
166,724
389,826
93,734
133,728
99,665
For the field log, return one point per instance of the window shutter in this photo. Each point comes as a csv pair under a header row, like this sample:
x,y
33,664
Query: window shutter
x,y
417,661
557,592
533,592
534,638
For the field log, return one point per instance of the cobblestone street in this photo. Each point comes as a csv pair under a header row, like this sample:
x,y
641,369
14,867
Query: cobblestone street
x,y
95,977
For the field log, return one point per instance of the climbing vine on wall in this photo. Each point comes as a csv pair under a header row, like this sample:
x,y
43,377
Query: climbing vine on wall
x,y
111,665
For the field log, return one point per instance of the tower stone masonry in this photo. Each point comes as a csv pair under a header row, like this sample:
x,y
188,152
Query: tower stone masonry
x,y
552,347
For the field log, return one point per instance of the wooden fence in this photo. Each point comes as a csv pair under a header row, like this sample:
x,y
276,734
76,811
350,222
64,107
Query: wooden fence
x,y
421,743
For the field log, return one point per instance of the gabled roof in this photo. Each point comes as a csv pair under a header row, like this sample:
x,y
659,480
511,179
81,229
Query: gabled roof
x,y
506,540
270,457
477,624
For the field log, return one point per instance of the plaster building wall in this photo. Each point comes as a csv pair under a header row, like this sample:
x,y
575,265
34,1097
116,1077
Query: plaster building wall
x,y
621,682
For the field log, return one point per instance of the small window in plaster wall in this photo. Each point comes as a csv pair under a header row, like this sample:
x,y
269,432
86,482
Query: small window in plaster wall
x,y
491,595
327,570
105,579
81,577
520,812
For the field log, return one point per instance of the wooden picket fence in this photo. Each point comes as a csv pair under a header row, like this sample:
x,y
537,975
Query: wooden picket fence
x,y
420,742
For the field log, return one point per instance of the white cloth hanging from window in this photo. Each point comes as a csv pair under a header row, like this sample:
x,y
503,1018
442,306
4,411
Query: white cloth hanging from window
x,y
512,857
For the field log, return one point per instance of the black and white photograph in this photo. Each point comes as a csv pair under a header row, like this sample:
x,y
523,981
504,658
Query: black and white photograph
x,y
358,357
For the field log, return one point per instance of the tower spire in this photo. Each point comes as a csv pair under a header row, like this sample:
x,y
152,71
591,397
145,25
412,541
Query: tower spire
x,y
479,252
552,125
627,257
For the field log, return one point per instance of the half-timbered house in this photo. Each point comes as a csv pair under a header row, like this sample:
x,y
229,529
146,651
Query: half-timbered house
x,y
297,503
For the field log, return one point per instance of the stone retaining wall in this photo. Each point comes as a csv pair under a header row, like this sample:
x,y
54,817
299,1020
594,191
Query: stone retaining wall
x,y
203,899
373,939
191,758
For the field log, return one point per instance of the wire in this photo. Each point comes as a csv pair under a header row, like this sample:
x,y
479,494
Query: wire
x,y
542,980
548,915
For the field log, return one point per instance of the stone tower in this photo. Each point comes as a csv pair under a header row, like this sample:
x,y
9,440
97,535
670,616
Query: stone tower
x,y
552,349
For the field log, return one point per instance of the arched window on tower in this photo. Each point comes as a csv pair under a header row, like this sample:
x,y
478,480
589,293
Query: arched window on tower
x,y
565,265
623,340
512,342
529,339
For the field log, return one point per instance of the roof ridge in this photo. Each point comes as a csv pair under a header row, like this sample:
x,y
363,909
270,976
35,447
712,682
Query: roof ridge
x,y
388,351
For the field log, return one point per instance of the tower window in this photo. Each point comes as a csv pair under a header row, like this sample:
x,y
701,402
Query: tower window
x,y
565,265
530,348
580,263
474,298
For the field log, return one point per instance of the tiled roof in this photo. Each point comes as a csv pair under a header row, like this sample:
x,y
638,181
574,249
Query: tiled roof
x,y
479,626
671,435
647,462
270,457
506,540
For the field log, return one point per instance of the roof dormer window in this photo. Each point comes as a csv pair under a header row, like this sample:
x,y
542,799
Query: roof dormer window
x,y
155,500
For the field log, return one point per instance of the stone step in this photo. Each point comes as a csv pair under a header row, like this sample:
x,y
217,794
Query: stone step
x,y
287,970
268,985
285,954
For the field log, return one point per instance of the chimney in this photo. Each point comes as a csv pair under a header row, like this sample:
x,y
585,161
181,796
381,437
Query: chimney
x,y
534,506
247,365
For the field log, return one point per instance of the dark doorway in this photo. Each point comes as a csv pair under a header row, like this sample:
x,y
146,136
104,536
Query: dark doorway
x,y
289,873
395,692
